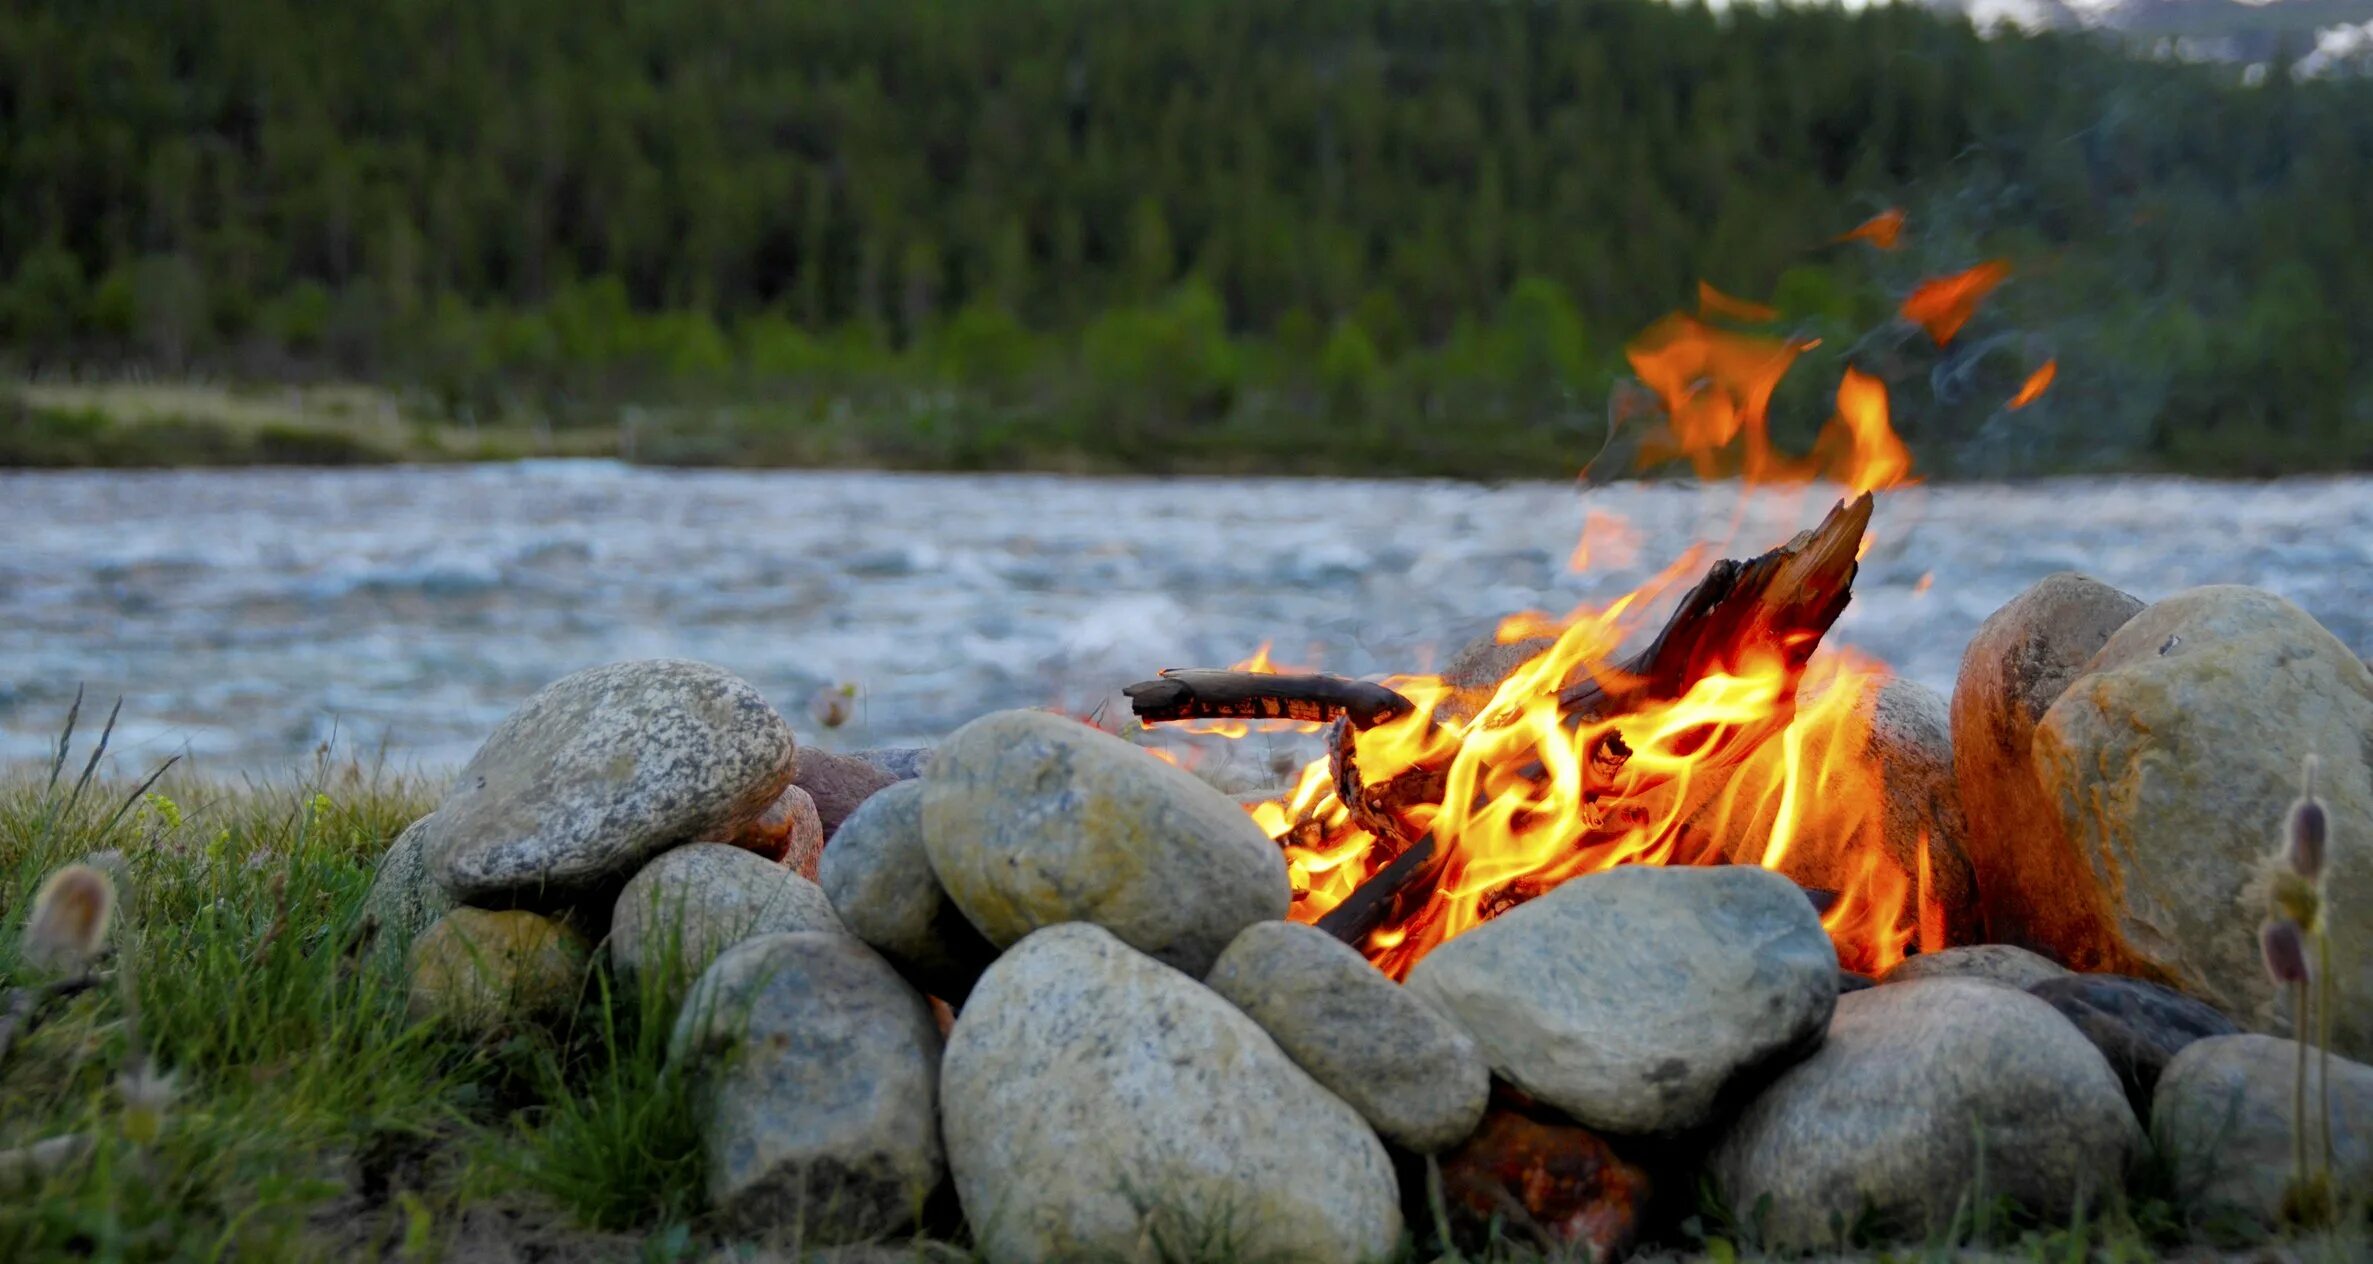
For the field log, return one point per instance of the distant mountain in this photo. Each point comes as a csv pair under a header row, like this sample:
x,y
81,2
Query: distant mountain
x,y
2317,32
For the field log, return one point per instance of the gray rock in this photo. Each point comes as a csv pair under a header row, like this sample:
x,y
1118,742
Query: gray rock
x,y
1475,672
1891,787
683,910
1919,1088
1031,819
818,1073
1414,1075
2006,964
484,971
2222,1120
2138,1025
880,882
600,771
404,899
1630,998
902,762
2172,763
838,783
1099,1104
2022,659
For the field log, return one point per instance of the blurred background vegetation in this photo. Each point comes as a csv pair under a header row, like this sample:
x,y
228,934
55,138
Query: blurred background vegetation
x,y
1354,236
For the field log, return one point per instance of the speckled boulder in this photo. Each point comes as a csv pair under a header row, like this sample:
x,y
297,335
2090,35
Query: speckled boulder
x,y
1032,819
2006,964
404,899
880,882
1406,1068
2022,659
818,1072
1918,1089
683,910
600,771
482,971
1101,1105
1630,999
2171,763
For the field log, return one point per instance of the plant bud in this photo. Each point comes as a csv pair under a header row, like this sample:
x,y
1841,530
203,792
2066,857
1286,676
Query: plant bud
x,y
2305,835
2285,950
70,917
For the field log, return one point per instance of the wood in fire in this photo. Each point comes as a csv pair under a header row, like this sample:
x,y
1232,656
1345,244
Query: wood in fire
x,y
1779,604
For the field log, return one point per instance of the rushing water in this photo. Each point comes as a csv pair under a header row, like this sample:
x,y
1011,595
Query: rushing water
x,y
248,616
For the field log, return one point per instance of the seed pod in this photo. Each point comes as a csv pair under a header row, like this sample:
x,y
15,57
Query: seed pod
x,y
70,917
2306,832
2284,949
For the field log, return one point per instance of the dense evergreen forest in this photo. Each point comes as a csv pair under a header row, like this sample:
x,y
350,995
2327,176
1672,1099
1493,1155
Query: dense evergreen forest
x,y
1349,235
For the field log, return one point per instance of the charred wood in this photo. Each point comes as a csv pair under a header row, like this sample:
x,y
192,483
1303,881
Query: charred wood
x,y
1205,694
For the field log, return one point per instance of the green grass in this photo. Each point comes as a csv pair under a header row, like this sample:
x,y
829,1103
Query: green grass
x,y
316,1120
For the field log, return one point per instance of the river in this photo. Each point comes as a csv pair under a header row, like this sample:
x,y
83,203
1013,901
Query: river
x,y
247,617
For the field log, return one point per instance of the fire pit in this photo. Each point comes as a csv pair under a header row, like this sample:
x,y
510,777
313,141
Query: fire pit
x,y
1603,914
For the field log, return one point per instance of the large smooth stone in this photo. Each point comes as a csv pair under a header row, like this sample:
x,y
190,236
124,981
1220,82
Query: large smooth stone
x,y
683,910
601,770
880,882
2022,659
1920,1087
2222,1119
1098,1104
1031,819
1875,774
1408,1070
1629,999
2172,763
2006,964
2138,1025
818,1070
483,971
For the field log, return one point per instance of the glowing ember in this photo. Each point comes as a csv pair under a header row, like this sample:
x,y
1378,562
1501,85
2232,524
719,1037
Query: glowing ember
x,y
1521,791
1943,305
2036,384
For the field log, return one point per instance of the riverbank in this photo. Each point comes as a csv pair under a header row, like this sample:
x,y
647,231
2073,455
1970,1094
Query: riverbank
x,y
926,426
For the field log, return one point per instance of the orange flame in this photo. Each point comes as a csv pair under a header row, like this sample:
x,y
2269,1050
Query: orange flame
x,y
1605,538
1760,761
2036,384
1942,305
1883,230
1712,303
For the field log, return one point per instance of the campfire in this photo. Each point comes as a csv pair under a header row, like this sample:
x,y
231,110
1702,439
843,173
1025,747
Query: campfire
x,y
1439,805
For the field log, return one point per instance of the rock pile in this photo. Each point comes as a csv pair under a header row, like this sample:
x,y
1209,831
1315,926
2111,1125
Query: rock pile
x,y
1035,989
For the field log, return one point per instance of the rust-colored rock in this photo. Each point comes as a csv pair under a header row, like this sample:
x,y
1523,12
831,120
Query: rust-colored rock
x,y
1544,1180
790,831
837,784
2031,882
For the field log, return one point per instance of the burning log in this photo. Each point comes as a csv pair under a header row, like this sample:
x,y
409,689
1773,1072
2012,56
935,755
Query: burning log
x,y
1784,600
1206,694
1768,612
1781,602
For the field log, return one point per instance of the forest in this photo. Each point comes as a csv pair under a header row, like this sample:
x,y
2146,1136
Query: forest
x,y
1340,236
